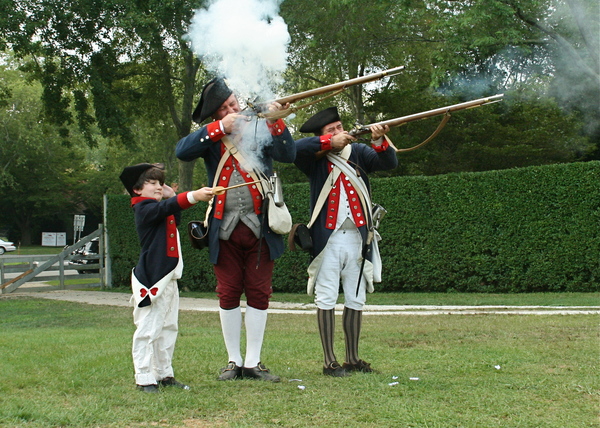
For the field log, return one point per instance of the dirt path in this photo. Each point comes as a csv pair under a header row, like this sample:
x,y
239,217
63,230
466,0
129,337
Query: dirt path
x,y
211,305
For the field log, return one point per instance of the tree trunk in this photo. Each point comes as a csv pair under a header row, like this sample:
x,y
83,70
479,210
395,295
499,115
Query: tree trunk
x,y
186,175
184,126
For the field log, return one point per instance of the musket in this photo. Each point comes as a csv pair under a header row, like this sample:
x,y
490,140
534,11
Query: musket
x,y
335,87
365,129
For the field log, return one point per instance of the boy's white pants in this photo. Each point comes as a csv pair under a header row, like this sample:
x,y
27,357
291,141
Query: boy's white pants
x,y
155,336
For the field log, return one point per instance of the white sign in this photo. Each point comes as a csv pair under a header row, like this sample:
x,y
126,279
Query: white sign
x,y
61,239
54,239
48,239
79,222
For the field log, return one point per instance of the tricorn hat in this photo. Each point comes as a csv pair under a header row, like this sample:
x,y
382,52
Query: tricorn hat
x,y
214,94
131,174
319,120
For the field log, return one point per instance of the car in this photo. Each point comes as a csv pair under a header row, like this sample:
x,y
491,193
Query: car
x,y
6,246
84,256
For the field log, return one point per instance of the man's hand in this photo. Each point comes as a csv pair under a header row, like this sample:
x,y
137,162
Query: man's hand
x,y
228,122
341,140
378,131
275,106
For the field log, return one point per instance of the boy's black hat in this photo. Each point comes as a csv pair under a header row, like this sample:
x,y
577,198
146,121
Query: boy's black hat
x,y
214,94
319,120
131,174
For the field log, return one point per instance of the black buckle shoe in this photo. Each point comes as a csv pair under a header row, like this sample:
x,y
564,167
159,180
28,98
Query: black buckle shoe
x,y
170,381
231,372
152,389
334,369
259,372
361,366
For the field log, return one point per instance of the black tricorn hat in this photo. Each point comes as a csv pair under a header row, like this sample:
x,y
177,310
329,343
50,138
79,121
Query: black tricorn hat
x,y
319,120
131,174
214,94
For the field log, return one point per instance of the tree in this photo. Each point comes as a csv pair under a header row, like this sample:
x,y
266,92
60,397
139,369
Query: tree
x,y
339,40
39,175
110,63
552,45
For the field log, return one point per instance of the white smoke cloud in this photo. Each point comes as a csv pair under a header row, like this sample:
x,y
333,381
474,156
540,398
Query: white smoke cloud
x,y
244,41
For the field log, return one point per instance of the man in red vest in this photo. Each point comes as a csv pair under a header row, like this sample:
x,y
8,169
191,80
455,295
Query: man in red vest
x,y
242,246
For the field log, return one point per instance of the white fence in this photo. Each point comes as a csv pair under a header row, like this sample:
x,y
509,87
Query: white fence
x,y
43,268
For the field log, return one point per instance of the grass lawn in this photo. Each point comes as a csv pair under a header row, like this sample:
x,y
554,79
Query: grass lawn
x,y
69,365
32,250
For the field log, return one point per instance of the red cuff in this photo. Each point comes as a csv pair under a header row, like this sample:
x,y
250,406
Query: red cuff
x,y
276,128
381,148
214,130
182,200
326,142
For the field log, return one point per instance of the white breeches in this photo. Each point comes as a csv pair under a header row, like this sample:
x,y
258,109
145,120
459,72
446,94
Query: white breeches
x,y
341,261
155,336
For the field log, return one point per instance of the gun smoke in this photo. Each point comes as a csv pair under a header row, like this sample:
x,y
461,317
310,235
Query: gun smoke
x,y
244,41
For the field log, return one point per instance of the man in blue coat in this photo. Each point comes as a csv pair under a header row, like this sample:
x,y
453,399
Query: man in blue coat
x,y
239,150
341,227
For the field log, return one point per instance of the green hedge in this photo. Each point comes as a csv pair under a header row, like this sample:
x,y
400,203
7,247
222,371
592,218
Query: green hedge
x,y
520,230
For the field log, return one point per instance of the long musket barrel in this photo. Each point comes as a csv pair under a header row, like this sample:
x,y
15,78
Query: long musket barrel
x,y
365,129
339,86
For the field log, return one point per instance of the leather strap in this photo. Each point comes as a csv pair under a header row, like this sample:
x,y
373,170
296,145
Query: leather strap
x,y
445,119
232,150
331,178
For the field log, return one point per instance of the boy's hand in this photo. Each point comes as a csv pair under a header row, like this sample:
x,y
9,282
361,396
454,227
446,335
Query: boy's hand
x,y
204,194
168,191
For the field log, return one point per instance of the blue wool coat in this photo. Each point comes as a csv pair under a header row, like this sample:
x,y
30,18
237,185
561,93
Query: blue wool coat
x,y
156,224
363,157
203,143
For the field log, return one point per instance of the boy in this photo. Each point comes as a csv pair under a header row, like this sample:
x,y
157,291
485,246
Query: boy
x,y
154,278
